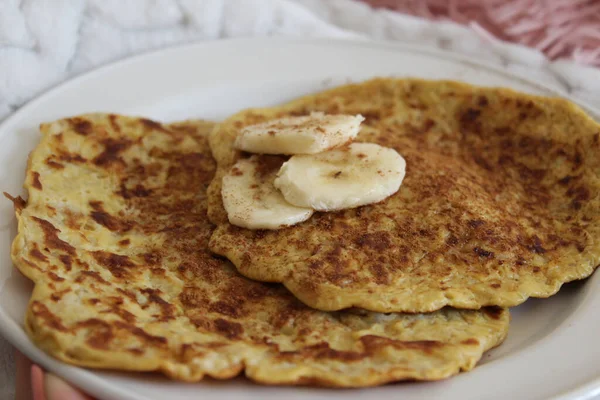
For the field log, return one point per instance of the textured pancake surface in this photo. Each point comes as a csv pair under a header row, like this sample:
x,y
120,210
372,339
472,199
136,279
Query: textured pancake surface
x,y
115,236
499,203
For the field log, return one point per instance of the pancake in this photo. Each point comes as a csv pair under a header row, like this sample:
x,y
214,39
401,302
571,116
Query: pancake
x,y
115,234
499,203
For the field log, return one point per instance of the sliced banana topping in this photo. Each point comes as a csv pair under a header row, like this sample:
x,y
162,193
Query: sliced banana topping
x,y
310,134
348,177
251,200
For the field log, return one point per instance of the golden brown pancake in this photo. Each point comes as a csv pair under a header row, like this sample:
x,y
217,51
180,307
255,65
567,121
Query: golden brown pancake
x,y
114,235
500,202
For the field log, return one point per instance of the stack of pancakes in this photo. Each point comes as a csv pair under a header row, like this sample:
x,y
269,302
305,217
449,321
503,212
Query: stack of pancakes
x,y
136,266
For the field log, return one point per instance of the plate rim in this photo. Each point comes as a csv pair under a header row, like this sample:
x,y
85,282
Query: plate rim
x,y
87,378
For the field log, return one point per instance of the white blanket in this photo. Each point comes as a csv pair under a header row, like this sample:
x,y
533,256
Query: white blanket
x,y
43,42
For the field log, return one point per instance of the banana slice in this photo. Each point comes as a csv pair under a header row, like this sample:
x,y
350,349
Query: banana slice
x,y
251,200
299,135
348,177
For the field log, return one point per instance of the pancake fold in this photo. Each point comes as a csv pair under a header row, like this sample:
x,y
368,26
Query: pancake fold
x,y
114,234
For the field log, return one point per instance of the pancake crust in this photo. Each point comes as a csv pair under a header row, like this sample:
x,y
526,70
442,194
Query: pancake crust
x,y
114,235
499,203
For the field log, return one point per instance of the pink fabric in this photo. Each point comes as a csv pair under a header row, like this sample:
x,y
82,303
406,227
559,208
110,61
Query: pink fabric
x,y
559,28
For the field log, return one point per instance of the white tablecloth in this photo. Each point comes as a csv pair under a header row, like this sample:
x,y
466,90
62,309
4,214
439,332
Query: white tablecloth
x,y
43,42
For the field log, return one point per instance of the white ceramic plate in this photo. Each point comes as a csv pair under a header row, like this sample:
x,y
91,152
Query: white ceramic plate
x,y
552,350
